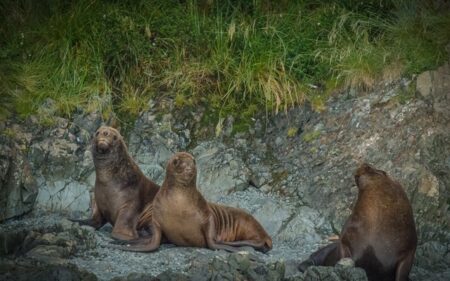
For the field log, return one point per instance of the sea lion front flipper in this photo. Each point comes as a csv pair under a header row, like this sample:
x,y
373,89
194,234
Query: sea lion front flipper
x,y
404,267
125,225
96,220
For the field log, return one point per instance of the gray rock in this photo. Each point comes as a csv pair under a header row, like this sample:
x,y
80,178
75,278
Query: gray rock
x,y
18,188
435,87
64,195
317,273
220,170
22,271
298,185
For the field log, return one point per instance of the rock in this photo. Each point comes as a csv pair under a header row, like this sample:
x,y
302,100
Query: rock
x,y
237,266
22,272
293,172
301,229
45,237
11,241
62,164
65,195
424,84
49,253
317,273
346,262
220,170
435,87
18,188
434,256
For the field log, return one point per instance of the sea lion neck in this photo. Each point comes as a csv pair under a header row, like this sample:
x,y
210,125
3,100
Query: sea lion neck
x,y
172,182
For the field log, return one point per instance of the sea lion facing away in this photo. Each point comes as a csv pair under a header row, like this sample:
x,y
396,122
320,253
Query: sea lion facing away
x,y
380,234
185,218
121,190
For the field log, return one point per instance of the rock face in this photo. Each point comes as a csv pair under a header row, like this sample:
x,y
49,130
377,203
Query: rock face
x,y
293,172
18,188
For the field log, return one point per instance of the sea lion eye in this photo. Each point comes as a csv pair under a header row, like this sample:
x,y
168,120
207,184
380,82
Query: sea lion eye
x,y
176,162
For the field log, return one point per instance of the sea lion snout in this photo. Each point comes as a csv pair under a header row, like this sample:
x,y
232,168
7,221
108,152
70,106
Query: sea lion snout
x,y
367,174
102,146
104,139
183,166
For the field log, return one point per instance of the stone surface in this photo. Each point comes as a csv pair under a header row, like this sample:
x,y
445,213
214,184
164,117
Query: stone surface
x,y
292,171
18,188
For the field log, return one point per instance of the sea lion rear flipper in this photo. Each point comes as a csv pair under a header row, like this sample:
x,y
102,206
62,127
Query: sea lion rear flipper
x,y
140,240
143,244
257,245
328,255
209,231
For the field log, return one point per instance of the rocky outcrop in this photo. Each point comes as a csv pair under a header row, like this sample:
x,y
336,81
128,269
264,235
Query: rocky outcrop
x,y
18,188
292,171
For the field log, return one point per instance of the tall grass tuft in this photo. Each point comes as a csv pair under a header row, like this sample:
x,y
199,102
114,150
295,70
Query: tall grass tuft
x,y
235,57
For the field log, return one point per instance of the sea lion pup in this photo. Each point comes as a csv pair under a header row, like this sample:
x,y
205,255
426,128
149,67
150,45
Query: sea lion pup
x,y
185,218
380,234
121,190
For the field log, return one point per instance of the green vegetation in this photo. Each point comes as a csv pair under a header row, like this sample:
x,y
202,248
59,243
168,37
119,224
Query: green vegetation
x,y
310,136
292,132
236,57
406,93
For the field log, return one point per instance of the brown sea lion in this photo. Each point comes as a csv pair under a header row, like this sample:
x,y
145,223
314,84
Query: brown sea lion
x,y
380,234
185,218
121,190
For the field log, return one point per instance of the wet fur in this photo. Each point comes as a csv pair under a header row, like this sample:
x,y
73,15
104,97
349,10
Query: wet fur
x,y
380,234
185,218
121,190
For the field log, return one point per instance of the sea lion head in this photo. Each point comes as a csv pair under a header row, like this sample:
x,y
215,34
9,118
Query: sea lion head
x,y
182,168
106,140
366,175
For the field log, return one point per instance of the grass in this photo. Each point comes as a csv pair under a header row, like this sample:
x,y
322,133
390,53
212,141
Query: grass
x,y
233,57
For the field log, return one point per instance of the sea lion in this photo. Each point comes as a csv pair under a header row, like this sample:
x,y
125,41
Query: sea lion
x,y
380,234
121,190
185,218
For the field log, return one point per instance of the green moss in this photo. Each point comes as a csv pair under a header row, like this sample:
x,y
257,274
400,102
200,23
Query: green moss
x,y
292,132
277,177
8,132
310,136
313,150
406,93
